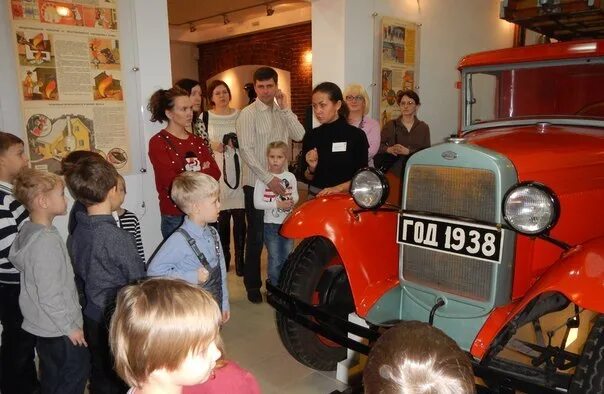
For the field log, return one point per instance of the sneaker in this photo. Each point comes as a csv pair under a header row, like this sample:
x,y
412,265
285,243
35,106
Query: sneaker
x,y
254,296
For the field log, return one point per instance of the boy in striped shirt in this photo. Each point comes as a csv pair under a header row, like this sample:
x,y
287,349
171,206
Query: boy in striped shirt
x,y
18,371
128,221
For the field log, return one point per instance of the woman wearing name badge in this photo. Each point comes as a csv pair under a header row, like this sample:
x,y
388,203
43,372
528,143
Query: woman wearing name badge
x,y
335,150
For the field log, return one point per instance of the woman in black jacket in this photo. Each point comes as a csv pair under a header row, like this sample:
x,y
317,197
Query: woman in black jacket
x,y
335,150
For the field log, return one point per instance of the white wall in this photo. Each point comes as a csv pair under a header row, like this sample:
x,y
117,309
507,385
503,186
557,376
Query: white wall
x,y
328,45
344,40
236,77
185,61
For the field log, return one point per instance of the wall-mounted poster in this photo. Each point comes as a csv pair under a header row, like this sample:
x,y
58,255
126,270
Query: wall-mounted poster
x,y
399,44
71,89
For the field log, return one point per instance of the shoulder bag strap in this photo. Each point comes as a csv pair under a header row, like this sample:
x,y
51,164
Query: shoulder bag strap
x,y
205,117
237,170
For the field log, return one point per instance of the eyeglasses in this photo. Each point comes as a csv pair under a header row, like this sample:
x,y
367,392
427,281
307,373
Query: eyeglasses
x,y
409,103
355,98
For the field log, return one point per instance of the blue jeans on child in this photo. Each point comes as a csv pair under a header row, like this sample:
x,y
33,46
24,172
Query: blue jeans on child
x,y
278,249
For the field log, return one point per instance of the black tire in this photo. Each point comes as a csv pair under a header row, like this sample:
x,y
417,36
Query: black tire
x,y
303,275
589,373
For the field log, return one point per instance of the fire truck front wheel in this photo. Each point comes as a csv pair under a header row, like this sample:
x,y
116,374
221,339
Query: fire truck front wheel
x,y
314,274
589,374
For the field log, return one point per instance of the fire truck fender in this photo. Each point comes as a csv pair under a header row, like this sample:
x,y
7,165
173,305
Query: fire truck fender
x,y
365,241
578,275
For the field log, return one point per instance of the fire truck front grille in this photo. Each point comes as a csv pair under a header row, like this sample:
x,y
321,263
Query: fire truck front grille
x,y
463,192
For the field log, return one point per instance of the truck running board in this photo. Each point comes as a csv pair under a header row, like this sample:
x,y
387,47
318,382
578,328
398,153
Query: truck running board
x,y
319,321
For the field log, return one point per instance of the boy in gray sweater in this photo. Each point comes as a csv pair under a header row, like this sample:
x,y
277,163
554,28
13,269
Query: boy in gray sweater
x,y
48,298
105,259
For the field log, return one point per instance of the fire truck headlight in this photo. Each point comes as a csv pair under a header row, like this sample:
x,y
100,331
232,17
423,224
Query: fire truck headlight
x,y
531,208
369,188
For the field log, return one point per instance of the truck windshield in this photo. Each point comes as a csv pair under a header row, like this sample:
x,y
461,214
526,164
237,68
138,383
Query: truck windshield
x,y
545,91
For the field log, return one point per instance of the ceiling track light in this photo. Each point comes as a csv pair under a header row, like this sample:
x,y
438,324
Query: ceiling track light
x,y
269,10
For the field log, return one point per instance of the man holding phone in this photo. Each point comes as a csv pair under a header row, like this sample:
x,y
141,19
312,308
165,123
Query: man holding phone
x,y
267,119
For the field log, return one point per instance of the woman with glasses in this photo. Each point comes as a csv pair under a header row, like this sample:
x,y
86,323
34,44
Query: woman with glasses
x,y
358,103
403,136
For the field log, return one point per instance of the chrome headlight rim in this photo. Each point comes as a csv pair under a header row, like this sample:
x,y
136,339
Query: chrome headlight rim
x,y
548,192
383,183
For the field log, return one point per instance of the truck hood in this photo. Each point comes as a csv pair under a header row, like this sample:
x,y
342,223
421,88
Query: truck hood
x,y
548,154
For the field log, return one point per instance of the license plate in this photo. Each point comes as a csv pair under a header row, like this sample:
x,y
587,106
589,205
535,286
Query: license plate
x,y
451,236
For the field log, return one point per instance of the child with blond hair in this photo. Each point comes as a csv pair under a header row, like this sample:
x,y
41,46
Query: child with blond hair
x,y
276,208
177,325
193,252
49,299
416,358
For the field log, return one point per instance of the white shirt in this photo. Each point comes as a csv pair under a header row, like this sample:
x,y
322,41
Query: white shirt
x,y
218,126
257,126
265,199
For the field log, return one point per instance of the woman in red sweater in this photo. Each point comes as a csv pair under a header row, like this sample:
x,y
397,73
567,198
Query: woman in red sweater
x,y
174,150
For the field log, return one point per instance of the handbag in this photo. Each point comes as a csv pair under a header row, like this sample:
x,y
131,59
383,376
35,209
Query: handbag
x,y
383,161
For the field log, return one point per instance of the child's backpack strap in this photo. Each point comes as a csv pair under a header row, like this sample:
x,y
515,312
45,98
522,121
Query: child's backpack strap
x,y
194,247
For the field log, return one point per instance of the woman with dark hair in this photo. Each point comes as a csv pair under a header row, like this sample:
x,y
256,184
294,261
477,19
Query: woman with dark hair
x,y
403,136
200,117
223,141
335,150
174,150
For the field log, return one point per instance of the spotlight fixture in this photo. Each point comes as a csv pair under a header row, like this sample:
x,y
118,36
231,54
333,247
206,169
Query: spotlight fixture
x,y
192,28
225,19
269,10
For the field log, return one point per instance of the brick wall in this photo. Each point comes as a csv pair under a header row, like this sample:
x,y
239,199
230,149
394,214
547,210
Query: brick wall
x,y
283,48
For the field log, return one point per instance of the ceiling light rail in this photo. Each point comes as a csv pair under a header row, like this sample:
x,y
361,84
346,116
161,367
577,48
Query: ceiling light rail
x,y
225,15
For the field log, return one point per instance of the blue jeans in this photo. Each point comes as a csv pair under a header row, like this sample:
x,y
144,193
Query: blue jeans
x,y
64,367
278,249
169,224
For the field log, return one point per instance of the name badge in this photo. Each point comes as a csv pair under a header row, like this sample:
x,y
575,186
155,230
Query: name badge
x,y
338,147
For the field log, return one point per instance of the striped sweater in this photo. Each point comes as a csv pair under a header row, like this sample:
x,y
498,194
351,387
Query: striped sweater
x,y
12,215
129,222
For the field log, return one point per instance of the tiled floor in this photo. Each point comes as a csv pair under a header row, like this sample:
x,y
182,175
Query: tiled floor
x,y
251,339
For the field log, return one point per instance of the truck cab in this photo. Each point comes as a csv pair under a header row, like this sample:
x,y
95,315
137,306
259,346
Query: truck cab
x,y
497,228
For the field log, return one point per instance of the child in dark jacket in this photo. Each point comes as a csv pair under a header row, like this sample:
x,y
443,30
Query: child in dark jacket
x,y
105,259
48,299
